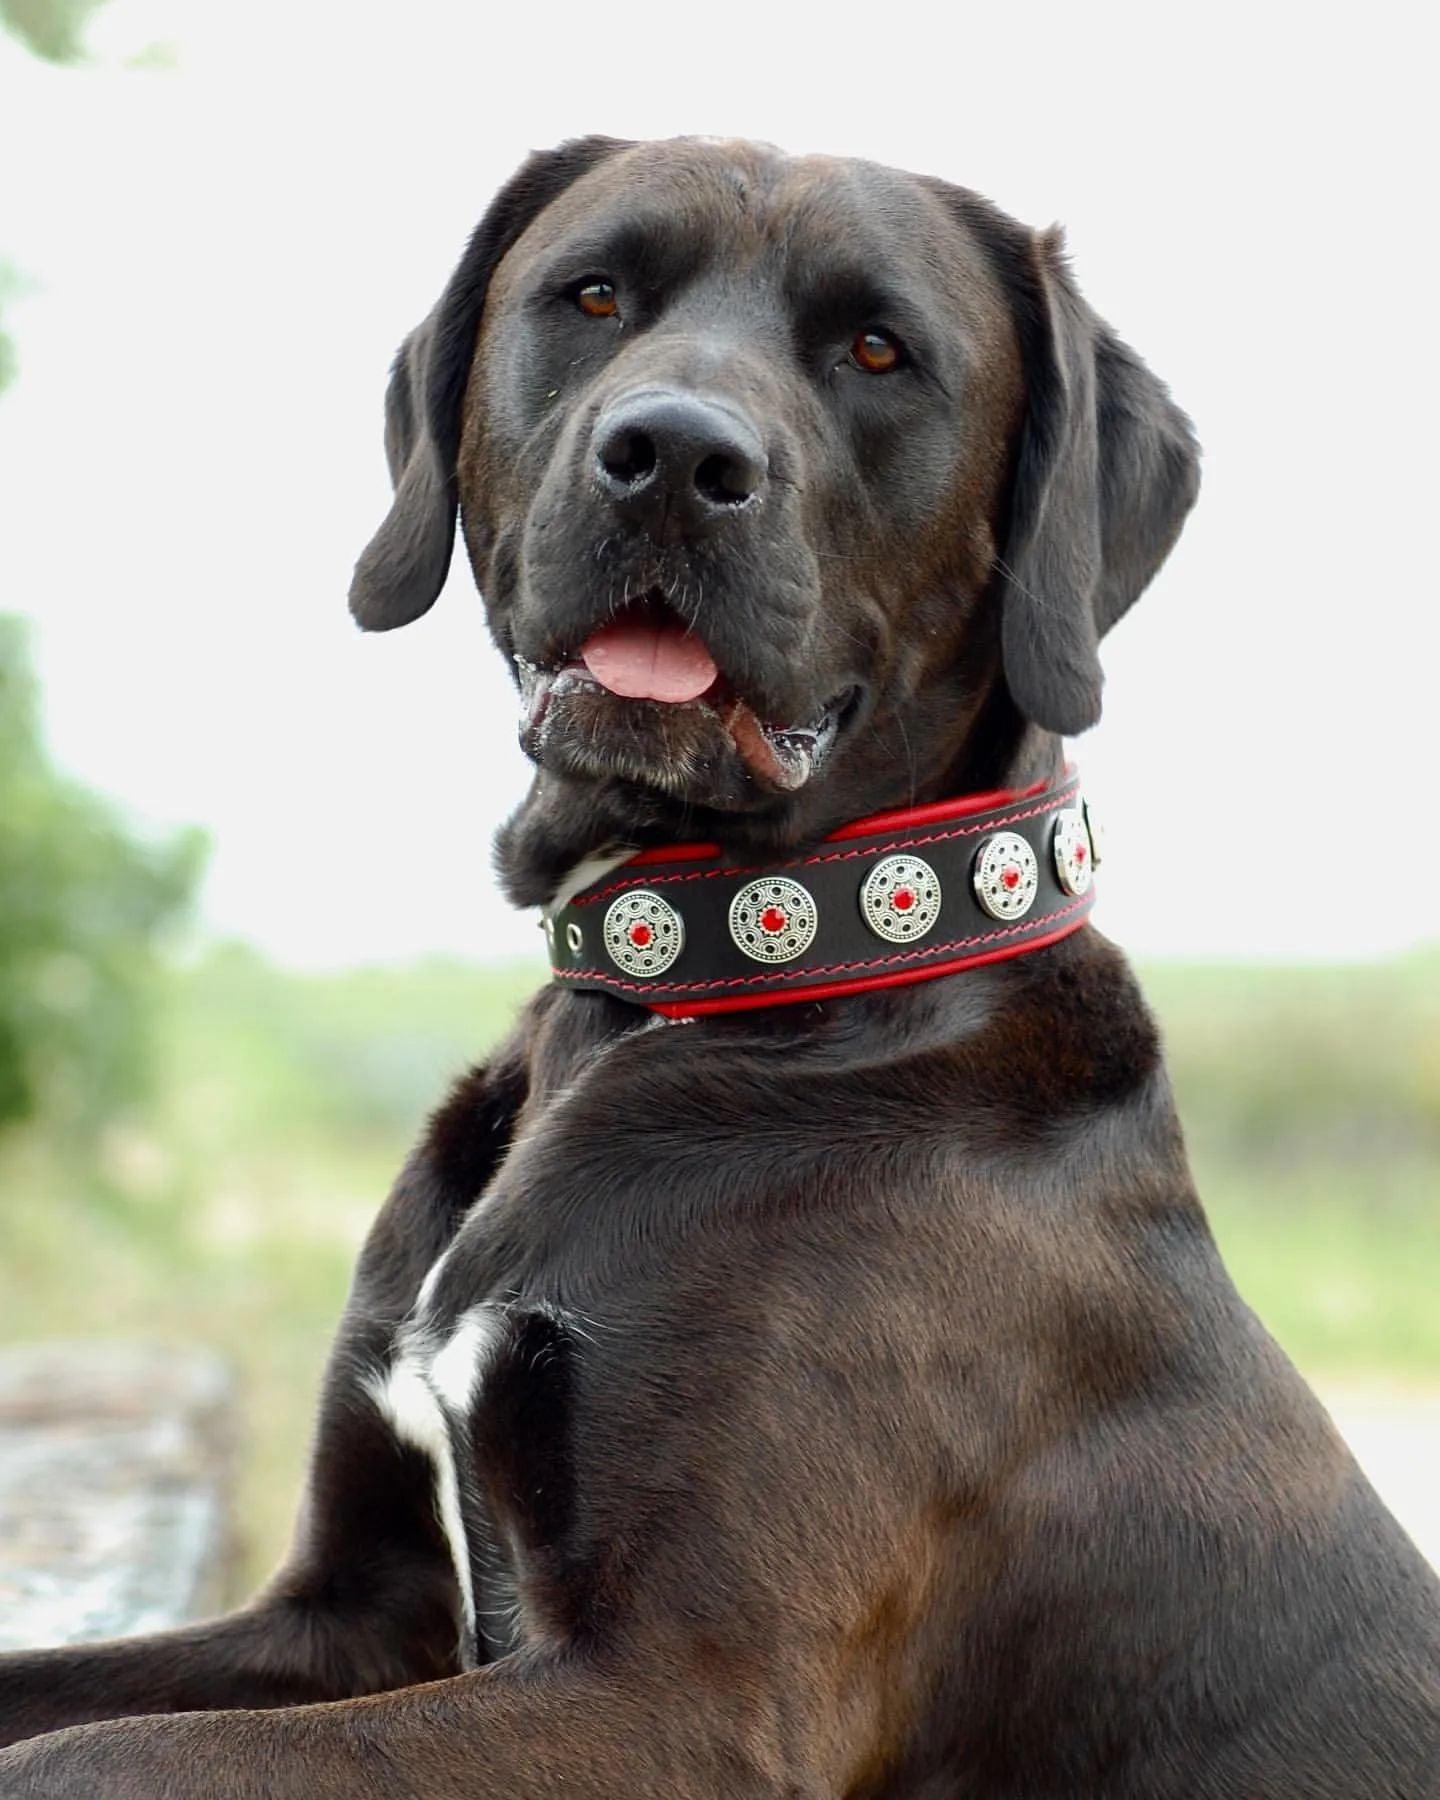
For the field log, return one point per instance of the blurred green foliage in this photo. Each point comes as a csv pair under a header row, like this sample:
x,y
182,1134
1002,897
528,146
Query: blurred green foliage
x,y
1336,1066
1310,1099
53,29
85,905
11,286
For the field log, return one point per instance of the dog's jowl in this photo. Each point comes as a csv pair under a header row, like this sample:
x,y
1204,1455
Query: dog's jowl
x,y
796,1364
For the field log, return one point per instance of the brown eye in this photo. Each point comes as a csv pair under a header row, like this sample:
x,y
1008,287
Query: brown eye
x,y
597,300
876,352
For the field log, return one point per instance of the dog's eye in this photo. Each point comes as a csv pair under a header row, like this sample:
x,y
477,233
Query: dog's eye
x,y
876,352
596,299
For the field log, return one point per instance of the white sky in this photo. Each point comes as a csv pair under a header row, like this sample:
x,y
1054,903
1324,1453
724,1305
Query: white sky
x,y
226,255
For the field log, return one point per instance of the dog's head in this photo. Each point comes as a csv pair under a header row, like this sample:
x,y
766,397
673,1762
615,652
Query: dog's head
x,y
781,477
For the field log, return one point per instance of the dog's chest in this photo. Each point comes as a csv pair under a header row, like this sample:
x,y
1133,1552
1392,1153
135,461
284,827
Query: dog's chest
x,y
478,1375
426,1394
475,1377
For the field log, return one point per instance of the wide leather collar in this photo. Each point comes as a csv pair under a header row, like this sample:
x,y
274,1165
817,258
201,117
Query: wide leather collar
x,y
895,898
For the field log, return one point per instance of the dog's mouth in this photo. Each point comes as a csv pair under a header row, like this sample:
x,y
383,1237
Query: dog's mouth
x,y
645,668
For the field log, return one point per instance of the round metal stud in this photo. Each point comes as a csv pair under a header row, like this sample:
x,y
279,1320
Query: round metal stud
x,y
773,920
900,898
1074,864
643,934
1006,876
549,925
575,938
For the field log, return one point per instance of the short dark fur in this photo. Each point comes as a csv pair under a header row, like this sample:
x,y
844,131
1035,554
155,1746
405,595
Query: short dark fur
x,y
868,1412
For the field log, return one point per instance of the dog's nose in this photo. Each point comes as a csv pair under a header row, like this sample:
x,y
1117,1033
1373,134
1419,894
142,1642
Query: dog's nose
x,y
665,457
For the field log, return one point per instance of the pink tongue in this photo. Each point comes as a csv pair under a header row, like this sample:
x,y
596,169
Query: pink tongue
x,y
642,660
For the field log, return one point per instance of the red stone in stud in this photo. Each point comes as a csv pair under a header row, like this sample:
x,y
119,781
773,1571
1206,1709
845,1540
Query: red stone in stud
x,y
1080,853
774,919
903,899
1010,877
640,934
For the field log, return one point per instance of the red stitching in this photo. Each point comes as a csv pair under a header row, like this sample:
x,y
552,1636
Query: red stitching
x,y
660,990
984,823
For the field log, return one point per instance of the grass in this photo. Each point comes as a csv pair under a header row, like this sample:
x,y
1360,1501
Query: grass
x,y
229,1209
1311,1102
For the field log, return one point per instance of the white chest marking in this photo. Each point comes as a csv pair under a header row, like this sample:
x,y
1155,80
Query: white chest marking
x,y
585,874
429,1284
459,1365
424,1391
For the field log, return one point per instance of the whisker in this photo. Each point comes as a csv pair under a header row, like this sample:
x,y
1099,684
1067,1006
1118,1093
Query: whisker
x,y
1029,593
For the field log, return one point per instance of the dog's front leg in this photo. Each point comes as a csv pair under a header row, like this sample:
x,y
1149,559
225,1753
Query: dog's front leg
x,y
367,1599
541,1727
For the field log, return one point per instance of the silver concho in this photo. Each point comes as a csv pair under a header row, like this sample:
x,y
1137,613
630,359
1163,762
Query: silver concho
x,y
900,898
1074,862
1006,875
773,919
643,934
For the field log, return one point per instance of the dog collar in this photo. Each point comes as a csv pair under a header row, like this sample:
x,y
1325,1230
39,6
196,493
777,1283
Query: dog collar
x,y
891,899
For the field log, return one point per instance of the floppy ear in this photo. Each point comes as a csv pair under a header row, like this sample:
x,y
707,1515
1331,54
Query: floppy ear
x,y
403,568
1106,471
404,565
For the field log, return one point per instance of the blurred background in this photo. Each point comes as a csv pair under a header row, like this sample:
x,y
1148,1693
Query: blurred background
x,y
242,945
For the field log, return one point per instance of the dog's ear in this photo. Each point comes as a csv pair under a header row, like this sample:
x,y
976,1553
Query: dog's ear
x,y
404,565
403,568
1106,471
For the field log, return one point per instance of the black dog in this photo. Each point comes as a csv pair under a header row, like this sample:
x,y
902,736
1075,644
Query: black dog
x,y
840,1398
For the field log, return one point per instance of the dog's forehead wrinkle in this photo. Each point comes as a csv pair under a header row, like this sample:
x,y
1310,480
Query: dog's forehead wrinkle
x,y
744,169
734,206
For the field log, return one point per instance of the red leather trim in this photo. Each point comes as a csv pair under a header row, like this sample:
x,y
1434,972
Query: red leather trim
x,y
668,853
864,984
1053,800
935,812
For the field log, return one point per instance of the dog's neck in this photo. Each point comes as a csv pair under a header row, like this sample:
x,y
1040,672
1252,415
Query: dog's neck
x,y
567,832
890,900
991,761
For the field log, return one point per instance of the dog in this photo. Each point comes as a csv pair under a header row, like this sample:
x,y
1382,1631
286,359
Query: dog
x,y
796,1363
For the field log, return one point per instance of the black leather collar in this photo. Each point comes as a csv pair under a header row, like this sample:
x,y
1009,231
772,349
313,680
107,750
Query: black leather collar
x,y
896,898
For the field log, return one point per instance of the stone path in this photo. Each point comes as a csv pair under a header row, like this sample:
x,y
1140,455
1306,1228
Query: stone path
x,y
114,1483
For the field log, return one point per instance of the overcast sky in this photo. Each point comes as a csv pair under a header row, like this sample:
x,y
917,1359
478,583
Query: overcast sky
x,y
225,254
